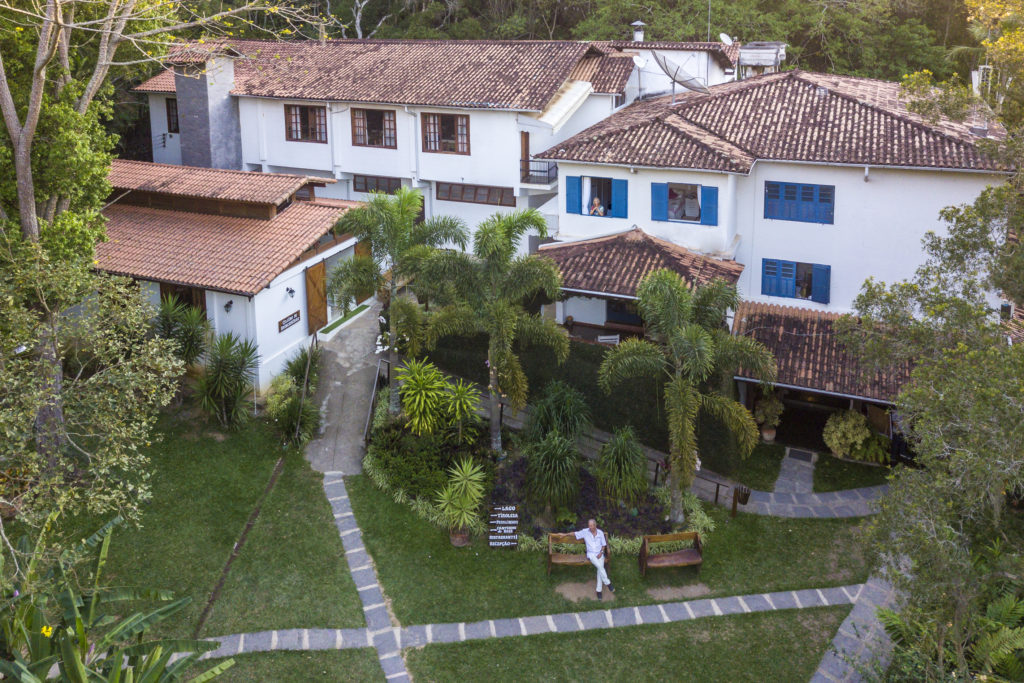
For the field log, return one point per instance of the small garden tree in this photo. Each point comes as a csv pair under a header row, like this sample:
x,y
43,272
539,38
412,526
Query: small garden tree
x,y
690,346
483,292
397,242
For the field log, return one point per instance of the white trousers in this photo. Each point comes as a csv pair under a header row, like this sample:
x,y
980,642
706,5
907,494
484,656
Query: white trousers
x,y
602,575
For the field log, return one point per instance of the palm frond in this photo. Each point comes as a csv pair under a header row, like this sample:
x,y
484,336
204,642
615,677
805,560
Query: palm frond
x,y
712,301
528,275
535,330
692,351
512,382
410,324
352,277
748,353
736,418
631,359
447,276
449,320
664,301
682,403
441,231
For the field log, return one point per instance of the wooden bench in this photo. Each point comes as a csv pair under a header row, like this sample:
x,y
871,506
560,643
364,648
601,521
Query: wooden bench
x,y
687,557
571,559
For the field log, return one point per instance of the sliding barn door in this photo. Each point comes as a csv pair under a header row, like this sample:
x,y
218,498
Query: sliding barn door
x,y
316,296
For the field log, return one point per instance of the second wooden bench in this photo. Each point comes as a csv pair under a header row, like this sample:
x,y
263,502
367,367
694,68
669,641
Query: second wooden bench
x,y
685,557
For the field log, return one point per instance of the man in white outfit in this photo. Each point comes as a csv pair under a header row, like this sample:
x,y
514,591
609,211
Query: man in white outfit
x,y
597,551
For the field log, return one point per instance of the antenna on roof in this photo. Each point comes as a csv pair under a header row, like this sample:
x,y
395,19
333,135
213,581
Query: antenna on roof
x,y
679,75
724,37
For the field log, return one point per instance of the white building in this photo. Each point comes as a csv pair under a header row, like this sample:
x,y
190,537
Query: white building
x,y
460,120
250,249
811,183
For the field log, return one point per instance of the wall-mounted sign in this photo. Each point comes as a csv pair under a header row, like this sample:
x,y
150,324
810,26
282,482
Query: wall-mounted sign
x,y
287,321
503,527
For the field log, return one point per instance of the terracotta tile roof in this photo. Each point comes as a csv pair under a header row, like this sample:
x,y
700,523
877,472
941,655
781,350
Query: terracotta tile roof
x,y
615,264
787,116
726,55
237,255
488,74
809,354
207,183
607,73
163,82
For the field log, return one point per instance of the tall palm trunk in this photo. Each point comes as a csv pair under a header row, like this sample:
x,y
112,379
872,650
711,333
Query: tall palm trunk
x,y
492,387
676,513
394,401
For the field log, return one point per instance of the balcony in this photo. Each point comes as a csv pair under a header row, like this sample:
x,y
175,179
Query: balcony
x,y
538,172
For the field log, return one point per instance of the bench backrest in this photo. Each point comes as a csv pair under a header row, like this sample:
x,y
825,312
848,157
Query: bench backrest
x,y
562,538
667,538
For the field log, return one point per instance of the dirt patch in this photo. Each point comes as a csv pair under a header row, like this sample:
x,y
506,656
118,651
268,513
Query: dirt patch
x,y
582,590
217,436
669,593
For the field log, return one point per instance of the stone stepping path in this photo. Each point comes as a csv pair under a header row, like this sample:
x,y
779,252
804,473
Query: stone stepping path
x,y
861,645
796,475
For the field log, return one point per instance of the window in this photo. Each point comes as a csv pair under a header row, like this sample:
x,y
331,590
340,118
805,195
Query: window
x,y
305,124
476,194
374,128
447,133
590,196
375,183
796,202
622,312
684,202
811,281
172,115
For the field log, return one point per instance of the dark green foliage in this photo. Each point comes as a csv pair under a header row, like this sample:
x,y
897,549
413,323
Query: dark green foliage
x,y
561,408
226,384
186,325
296,367
553,470
622,467
419,464
716,445
297,420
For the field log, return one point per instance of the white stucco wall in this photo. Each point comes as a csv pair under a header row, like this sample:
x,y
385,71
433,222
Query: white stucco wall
x,y
263,136
583,309
166,146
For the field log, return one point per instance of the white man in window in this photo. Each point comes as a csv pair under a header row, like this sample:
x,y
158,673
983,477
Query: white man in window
x,y
596,208
597,553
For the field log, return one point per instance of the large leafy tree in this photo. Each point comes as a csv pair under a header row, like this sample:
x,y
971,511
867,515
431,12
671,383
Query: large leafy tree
x,y
484,293
398,243
689,345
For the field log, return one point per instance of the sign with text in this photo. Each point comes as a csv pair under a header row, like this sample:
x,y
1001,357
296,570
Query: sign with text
x,y
503,526
287,321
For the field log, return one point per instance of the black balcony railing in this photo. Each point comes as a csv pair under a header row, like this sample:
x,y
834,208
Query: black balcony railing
x,y
538,172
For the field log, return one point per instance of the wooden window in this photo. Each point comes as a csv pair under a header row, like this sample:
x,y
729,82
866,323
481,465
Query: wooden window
x,y
305,124
446,133
375,183
800,202
374,128
476,194
172,115
796,280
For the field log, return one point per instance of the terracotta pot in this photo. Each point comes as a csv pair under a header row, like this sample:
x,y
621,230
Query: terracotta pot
x,y
768,434
460,538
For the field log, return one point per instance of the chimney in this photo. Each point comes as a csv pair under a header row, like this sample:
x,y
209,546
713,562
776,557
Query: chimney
x,y
638,31
210,131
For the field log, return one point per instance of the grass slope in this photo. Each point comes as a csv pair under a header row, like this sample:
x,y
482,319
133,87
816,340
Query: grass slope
x,y
775,646
760,469
428,580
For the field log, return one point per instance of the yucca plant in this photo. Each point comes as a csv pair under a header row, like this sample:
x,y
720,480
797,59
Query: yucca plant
x,y
622,467
553,471
463,402
296,368
423,391
168,315
561,408
459,501
186,325
227,380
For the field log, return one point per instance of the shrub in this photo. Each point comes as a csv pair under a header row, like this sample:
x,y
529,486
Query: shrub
x,y
227,381
622,467
848,435
460,499
186,325
553,470
381,414
562,409
415,464
296,368
460,409
768,411
423,393
297,420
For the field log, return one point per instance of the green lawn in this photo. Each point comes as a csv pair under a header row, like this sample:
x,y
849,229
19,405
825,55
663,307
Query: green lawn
x,y
428,580
205,483
348,316
299,667
773,646
760,469
832,474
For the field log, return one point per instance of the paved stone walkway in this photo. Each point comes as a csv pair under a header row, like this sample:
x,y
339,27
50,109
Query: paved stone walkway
x,y
796,474
861,646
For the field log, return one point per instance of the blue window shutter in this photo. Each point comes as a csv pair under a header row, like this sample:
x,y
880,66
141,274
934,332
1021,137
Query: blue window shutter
x,y
826,204
821,283
573,194
620,189
772,200
659,201
769,276
787,278
708,205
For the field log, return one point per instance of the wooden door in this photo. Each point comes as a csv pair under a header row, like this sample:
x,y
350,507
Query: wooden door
x,y
190,296
316,296
363,249
524,165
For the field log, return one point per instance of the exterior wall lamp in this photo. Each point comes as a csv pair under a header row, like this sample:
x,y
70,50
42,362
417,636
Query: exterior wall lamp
x,y
228,305
291,292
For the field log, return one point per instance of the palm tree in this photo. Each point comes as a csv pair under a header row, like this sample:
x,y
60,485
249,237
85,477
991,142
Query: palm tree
x,y
397,243
483,293
690,346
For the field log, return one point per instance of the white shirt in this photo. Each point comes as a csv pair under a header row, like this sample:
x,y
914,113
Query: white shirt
x,y
595,542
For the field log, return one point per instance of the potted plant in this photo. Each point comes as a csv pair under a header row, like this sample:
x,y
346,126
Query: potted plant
x,y
768,412
460,499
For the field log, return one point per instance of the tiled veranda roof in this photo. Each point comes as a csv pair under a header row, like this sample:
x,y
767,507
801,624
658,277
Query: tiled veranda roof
x,y
617,263
226,253
809,354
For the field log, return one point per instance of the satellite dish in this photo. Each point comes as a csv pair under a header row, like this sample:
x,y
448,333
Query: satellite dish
x,y
679,75
639,61
724,37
